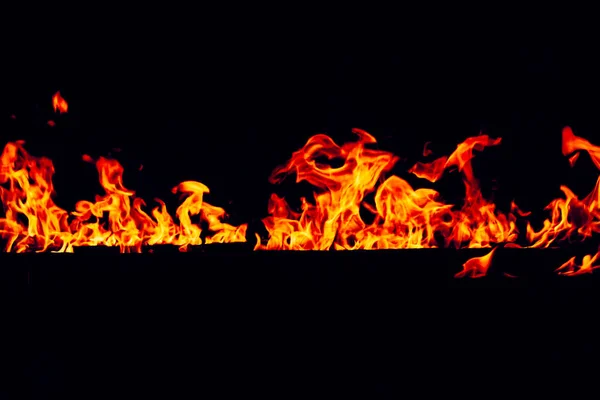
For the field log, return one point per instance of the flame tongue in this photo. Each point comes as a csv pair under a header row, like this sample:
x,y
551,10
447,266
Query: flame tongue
x,y
59,104
572,144
477,267
333,220
460,158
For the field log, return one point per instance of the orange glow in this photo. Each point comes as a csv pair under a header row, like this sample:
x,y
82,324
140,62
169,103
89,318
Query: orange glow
x,y
59,104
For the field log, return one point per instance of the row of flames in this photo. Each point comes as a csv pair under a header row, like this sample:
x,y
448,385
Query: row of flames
x,y
403,217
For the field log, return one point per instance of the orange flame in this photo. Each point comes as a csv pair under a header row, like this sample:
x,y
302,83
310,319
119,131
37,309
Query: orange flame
x,y
477,267
402,216
571,268
33,222
59,103
354,206
570,216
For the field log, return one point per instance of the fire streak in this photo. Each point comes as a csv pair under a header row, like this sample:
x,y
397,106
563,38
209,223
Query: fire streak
x,y
400,217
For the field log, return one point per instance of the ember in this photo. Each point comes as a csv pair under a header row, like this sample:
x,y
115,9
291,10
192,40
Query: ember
x,y
402,217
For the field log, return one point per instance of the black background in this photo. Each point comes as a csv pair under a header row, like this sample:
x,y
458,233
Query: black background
x,y
224,96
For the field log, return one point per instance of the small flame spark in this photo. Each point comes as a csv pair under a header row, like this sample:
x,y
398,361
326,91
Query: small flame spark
x,y
59,104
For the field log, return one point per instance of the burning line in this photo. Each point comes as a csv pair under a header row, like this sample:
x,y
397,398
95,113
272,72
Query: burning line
x,y
401,217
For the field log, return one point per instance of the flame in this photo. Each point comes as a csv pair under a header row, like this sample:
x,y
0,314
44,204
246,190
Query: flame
x,y
59,104
477,267
570,217
356,204
402,217
33,222
571,268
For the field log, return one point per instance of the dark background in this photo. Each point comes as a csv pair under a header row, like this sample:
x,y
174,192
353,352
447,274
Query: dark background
x,y
223,98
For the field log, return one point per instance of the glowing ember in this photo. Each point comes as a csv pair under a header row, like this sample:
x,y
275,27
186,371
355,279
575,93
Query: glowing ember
x,y
401,217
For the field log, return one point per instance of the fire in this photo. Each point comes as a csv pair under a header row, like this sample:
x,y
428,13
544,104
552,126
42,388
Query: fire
x,y
571,267
356,205
33,222
402,217
59,104
477,267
